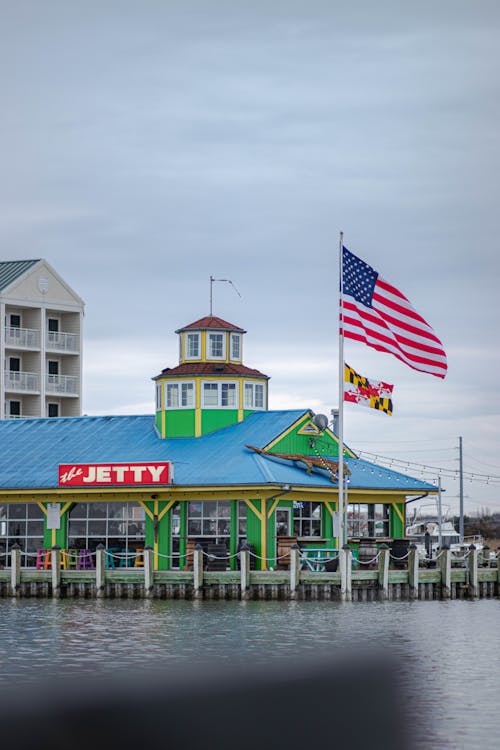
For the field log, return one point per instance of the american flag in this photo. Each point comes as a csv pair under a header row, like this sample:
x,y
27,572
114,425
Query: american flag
x,y
379,315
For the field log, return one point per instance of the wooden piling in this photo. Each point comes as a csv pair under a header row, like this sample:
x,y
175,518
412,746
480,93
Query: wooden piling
x,y
148,572
473,578
198,572
100,570
446,573
55,569
15,570
383,572
294,570
345,573
413,571
244,555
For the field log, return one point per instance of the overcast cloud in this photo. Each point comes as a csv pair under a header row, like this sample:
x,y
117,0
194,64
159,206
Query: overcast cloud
x,y
148,144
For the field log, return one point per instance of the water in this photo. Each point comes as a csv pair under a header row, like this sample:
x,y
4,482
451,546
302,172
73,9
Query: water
x,y
448,651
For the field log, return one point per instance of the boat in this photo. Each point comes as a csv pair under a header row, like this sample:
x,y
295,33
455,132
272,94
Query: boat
x,y
440,534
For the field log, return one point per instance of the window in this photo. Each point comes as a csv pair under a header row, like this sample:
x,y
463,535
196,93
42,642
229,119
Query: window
x,y
216,348
14,364
180,395
222,395
15,320
158,396
210,518
53,325
368,520
53,367
14,408
21,523
254,396
235,346
242,521
192,346
119,526
52,410
306,519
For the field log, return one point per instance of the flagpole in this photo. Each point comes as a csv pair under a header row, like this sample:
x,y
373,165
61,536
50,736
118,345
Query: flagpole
x,y
340,503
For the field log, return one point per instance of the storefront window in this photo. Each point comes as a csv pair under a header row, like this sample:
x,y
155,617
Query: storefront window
x,y
306,519
21,524
210,518
118,526
368,520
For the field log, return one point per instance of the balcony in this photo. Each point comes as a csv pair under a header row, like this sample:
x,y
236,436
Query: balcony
x,y
22,338
22,416
22,382
62,385
67,343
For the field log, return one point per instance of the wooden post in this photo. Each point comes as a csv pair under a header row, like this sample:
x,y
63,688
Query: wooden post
x,y
445,573
294,570
244,554
473,572
55,555
15,570
413,570
100,570
383,572
198,571
345,573
148,571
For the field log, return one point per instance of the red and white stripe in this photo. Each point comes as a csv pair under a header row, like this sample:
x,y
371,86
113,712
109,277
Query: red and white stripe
x,y
392,325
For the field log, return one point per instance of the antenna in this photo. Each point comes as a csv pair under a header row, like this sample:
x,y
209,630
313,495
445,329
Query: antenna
x,y
212,281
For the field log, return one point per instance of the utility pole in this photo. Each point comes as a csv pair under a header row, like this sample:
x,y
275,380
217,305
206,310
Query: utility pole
x,y
461,491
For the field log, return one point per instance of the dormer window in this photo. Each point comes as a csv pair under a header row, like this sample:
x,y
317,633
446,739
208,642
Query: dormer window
x,y
192,346
220,395
180,395
235,346
216,346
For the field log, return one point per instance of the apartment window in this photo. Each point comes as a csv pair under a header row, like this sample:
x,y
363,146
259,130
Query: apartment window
x,y
52,410
53,367
254,396
216,348
14,364
306,519
368,520
235,346
180,395
223,395
192,346
53,325
15,320
14,408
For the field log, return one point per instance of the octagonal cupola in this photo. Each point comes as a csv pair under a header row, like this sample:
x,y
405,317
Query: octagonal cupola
x,y
210,388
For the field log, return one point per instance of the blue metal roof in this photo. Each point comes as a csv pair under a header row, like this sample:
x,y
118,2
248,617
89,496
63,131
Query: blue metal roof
x,y
32,449
10,270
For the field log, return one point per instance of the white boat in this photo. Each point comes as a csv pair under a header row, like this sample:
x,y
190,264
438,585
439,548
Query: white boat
x,y
440,535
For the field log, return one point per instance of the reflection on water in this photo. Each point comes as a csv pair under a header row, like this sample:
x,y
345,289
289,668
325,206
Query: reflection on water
x,y
447,650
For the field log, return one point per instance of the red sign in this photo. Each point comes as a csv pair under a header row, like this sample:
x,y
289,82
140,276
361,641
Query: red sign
x,y
87,475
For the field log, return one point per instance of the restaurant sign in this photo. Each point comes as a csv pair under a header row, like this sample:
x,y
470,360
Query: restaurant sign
x,y
111,474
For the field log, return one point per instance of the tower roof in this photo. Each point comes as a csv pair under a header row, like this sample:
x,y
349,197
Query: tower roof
x,y
209,368
210,321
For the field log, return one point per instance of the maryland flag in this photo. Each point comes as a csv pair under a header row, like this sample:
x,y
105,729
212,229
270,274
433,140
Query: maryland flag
x,y
371,393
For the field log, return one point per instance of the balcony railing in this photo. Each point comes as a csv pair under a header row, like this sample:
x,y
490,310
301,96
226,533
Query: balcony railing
x,y
66,385
22,416
62,342
22,382
27,338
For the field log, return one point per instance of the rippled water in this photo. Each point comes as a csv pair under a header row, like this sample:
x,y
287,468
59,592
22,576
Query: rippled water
x,y
448,650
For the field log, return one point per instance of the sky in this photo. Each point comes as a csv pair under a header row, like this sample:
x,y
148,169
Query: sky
x,y
149,144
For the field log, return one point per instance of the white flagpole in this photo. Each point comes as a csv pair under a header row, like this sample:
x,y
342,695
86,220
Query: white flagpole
x,y
340,503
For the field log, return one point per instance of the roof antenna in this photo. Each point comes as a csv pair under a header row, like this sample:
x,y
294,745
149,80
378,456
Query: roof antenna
x,y
212,280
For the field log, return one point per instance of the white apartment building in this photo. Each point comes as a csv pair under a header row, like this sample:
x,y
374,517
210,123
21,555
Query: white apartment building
x,y
40,342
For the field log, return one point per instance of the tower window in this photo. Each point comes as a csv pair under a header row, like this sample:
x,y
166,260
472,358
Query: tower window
x,y
192,346
216,348
158,396
220,395
180,395
254,396
235,346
